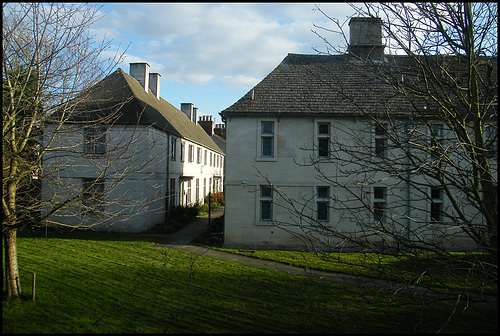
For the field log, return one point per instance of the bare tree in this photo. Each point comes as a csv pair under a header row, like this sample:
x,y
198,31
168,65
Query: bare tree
x,y
441,153
49,59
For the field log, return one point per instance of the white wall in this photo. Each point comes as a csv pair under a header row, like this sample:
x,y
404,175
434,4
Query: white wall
x,y
134,170
291,173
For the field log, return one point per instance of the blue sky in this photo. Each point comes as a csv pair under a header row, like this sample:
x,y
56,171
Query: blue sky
x,y
211,54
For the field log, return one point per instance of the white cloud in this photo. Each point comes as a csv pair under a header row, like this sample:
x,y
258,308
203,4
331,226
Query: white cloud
x,y
200,43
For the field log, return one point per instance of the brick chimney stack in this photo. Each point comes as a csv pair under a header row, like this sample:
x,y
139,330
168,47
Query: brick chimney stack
x,y
207,123
220,130
365,37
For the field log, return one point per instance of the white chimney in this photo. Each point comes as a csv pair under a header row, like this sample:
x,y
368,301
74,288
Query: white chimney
x,y
154,84
140,72
195,115
187,109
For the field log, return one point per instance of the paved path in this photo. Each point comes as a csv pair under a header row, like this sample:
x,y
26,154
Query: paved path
x,y
181,240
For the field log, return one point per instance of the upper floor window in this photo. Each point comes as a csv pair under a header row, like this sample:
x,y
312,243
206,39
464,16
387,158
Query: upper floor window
x,y
190,153
181,151
199,155
381,141
173,148
324,140
94,141
267,139
436,136
490,135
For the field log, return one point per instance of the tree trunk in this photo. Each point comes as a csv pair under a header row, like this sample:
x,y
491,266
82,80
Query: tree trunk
x,y
11,270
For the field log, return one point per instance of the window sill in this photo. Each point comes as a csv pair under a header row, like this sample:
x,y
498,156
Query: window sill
x,y
264,223
261,159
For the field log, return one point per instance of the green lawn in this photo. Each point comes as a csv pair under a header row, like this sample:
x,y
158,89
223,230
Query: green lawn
x,y
93,283
455,271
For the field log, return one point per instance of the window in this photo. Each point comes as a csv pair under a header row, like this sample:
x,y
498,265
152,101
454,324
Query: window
x,y
205,158
491,141
172,193
436,138
267,139
92,195
188,192
197,190
94,141
324,140
379,204
436,204
173,145
380,141
190,153
266,203
323,203
181,152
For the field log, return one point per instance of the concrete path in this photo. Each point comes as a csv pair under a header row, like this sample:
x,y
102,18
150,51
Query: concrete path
x,y
181,240
190,232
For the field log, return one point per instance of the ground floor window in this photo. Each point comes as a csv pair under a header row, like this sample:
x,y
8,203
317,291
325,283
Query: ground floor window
x,y
92,195
436,204
379,204
266,203
172,193
323,204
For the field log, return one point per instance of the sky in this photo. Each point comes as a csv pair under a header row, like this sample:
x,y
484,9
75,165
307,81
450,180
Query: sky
x,y
212,54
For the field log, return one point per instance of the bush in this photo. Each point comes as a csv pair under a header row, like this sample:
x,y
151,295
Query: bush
x,y
217,199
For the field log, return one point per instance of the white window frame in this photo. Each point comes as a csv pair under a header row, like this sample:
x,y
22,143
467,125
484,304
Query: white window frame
x,y
380,200
93,196
380,138
435,140
323,136
181,151
94,140
323,200
265,199
173,149
436,201
272,136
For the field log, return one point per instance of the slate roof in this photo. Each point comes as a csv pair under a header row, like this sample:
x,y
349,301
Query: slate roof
x,y
341,85
120,99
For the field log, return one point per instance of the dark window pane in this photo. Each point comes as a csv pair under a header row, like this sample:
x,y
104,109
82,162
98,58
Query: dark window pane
x,y
324,128
323,147
323,211
267,146
267,127
323,192
266,210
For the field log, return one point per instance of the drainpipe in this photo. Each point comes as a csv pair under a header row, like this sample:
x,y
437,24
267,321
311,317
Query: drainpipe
x,y
409,130
167,192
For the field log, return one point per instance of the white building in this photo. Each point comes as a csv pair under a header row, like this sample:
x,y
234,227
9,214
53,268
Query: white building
x,y
125,155
297,147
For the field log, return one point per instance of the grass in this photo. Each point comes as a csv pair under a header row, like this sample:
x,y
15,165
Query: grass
x,y
453,272
122,284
